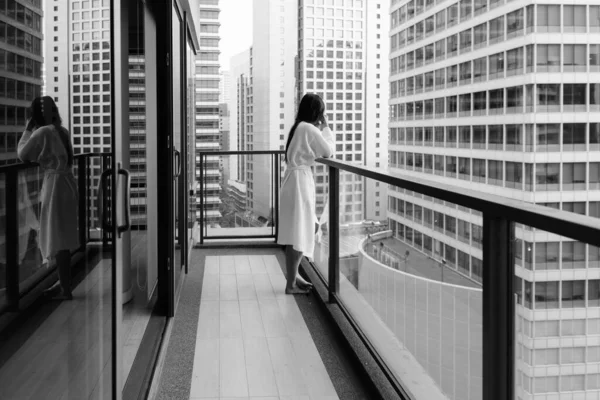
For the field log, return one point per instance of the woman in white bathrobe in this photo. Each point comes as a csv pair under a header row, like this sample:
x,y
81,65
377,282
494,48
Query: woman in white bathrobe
x,y
47,142
310,138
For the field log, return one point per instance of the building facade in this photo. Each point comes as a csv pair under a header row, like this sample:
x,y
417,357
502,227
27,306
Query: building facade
x,y
273,88
207,110
240,110
341,56
503,97
21,60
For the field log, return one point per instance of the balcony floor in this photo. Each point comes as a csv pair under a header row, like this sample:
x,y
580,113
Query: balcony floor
x,y
250,340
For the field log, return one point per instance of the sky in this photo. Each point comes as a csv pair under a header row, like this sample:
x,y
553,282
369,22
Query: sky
x,y
236,28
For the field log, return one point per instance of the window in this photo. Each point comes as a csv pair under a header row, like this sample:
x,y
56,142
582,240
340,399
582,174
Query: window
x,y
548,97
496,30
514,62
548,137
574,57
573,177
480,69
573,18
548,58
514,175
573,292
546,294
547,176
574,96
496,66
548,18
515,23
495,172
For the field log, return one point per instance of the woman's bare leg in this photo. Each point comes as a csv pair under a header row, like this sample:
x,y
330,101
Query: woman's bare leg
x,y
292,262
63,262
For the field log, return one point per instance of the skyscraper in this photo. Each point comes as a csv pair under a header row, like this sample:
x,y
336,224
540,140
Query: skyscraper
x,y
503,97
239,109
341,56
207,108
273,88
21,62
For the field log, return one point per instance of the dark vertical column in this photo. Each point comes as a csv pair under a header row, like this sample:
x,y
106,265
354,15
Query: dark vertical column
x,y
201,198
82,188
12,239
498,308
334,233
277,183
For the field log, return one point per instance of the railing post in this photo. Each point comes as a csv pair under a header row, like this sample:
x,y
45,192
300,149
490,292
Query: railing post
x,y
276,171
82,187
12,240
201,198
498,308
334,237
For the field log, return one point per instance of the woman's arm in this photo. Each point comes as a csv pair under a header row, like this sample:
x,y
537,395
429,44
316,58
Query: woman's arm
x,y
322,144
31,145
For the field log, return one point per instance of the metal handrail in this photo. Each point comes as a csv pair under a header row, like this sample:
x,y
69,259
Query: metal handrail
x,y
575,226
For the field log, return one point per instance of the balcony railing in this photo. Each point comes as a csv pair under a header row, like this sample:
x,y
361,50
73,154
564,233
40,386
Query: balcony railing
x,y
21,265
249,195
431,312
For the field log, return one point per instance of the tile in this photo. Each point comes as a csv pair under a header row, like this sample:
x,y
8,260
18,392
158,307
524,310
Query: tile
x,y
209,320
206,372
245,285
226,265
278,283
210,287
211,265
262,284
272,319
313,370
288,374
242,265
271,264
229,306
228,287
230,324
292,317
233,381
294,398
257,264
252,324
261,377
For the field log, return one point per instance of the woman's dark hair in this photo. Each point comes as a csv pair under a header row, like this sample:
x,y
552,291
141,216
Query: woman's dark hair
x,y
311,109
43,111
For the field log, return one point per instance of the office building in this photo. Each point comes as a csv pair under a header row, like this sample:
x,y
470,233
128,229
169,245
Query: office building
x,y
21,61
342,51
273,89
503,97
207,109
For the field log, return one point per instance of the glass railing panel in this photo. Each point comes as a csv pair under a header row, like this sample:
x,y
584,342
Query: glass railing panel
x,y
557,323
237,195
412,281
3,263
31,262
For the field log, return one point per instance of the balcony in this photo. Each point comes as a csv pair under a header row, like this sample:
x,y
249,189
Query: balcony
x,y
387,285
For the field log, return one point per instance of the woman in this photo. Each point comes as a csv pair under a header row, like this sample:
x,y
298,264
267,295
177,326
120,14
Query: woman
x,y
47,142
310,138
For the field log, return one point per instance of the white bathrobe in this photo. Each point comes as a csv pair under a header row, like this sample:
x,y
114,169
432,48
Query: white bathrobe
x,y
297,216
59,196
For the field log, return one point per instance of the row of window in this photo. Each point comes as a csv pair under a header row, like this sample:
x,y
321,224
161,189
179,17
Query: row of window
x,y
515,175
95,25
516,99
19,90
466,264
21,39
510,137
89,15
87,57
565,294
575,18
91,67
22,14
558,255
87,4
339,75
320,64
105,45
16,63
87,36
517,61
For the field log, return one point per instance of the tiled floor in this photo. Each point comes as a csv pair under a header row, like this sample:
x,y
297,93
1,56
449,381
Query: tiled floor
x,y
252,341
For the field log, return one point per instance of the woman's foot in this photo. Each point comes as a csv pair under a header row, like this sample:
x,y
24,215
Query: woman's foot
x,y
296,290
302,283
62,296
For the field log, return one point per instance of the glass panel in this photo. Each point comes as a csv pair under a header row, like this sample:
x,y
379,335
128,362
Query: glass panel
x,y
414,287
235,203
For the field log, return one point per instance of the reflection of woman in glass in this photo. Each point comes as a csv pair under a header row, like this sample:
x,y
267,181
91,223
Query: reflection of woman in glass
x,y
309,139
47,142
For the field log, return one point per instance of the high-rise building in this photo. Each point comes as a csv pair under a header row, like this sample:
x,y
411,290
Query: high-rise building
x,y
225,87
21,61
240,106
342,51
207,108
273,88
503,97
137,136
